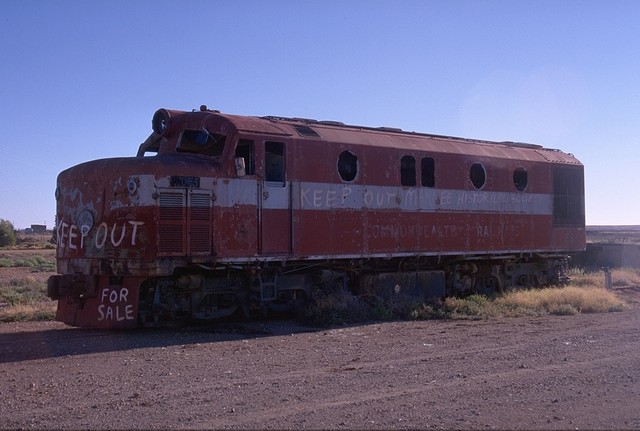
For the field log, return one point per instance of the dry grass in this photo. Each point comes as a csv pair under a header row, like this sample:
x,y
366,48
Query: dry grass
x,y
33,263
619,277
562,300
28,312
585,294
470,307
23,274
23,299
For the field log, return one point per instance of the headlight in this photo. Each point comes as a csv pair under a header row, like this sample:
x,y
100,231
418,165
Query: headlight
x,y
160,122
132,186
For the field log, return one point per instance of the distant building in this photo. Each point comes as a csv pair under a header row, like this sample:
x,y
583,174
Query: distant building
x,y
39,228
609,255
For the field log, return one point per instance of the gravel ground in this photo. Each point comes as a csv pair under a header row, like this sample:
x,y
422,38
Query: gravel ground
x,y
554,372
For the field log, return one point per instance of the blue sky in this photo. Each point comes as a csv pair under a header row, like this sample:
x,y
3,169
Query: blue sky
x,y
80,80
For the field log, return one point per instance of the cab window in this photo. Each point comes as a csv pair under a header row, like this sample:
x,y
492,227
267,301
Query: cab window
x,y
201,142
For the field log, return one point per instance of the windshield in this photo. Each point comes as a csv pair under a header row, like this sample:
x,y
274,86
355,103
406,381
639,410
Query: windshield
x,y
201,142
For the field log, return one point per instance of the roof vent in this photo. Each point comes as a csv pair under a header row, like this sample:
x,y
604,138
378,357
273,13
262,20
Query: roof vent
x,y
305,130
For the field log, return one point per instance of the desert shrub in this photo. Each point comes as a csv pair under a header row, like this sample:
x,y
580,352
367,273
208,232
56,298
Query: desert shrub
x,y
342,307
35,263
562,309
581,278
22,291
24,263
42,311
563,300
426,311
470,307
25,299
7,233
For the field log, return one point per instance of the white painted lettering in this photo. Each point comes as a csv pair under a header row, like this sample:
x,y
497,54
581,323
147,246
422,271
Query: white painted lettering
x,y
62,234
84,231
305,197
114,305
331,198
72,234
122,232
134,233
410,198
124,294
317,198
113,296
368,198
100,242
346,191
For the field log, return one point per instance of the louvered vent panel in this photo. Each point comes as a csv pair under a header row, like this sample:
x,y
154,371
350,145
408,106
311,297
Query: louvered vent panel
x,y
171,238
200,242
200,207
171,206
200,223
171,229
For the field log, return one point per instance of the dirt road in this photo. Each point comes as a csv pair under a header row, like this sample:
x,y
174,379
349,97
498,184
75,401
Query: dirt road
x,y
572,372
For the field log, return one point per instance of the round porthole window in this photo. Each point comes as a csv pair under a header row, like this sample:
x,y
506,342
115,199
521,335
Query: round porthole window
x,y
477,175
347,166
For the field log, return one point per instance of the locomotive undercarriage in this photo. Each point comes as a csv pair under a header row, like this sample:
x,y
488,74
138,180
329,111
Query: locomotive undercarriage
x,y
257,290
204,294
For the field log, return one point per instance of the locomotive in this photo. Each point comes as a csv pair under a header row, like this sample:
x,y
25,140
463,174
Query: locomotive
x,y
220,214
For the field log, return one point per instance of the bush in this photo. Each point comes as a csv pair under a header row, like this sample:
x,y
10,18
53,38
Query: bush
x,y
470,307
7,233
563,301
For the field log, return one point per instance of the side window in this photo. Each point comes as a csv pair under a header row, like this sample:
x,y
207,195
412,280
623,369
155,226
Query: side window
x,y
274,162
408,171
347,166
477,175
520,179
244,150
428,172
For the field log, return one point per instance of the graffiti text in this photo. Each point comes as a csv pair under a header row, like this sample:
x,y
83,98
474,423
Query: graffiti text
x,y
77,237
114,305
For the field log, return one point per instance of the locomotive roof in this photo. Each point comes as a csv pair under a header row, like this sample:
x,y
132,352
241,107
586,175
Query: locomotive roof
x,y
334,131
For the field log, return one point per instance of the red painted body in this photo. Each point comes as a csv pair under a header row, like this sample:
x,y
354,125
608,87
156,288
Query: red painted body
x,y
225,194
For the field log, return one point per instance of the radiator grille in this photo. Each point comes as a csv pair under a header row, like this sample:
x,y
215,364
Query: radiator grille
x,y
200,207
171,239
200,223
172,206
185,229
171,223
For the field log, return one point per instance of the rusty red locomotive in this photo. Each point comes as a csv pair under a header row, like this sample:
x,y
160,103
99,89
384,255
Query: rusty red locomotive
x,y
219,214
